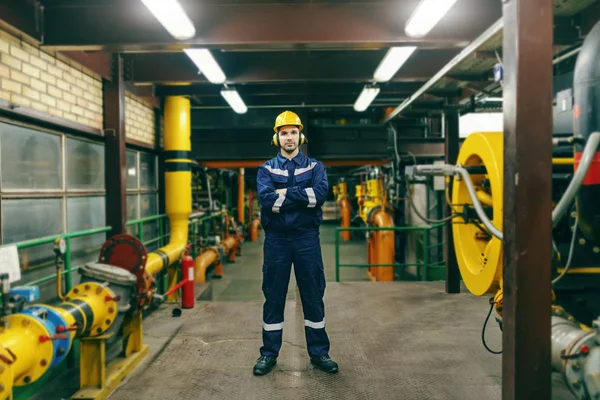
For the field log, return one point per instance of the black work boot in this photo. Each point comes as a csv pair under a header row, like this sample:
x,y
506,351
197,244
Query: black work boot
x,y
324,363
264,365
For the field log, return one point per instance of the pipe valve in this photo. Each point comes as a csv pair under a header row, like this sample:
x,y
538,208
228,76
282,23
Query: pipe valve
x,y
110,298
44,339
74,328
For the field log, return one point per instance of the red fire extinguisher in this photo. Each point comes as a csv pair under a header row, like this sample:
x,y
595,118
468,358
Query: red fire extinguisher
x,y
187,276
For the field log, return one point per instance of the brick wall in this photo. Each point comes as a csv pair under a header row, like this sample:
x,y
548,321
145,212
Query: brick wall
x,y
139,119
50,83
54,84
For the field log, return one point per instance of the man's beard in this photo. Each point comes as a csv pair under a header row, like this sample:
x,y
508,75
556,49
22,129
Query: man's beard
x,y
289,151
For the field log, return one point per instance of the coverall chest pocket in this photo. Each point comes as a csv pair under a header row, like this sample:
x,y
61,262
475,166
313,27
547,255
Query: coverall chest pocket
x,y
304,179
279,181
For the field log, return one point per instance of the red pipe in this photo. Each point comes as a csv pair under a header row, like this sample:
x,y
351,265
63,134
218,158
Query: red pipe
x,y
176,287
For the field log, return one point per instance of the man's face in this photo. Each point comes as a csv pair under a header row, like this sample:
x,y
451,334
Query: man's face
x,y
289,138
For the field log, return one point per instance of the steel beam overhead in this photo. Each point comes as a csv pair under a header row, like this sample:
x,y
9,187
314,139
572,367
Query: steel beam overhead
x,y
297,66
325,25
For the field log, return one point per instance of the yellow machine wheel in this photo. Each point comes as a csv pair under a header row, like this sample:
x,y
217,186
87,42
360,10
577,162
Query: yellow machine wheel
x,y
479,255
22,344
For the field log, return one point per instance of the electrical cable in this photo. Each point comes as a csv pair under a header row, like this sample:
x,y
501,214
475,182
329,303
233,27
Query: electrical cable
x,y
484,326
570,257
431,221
409,197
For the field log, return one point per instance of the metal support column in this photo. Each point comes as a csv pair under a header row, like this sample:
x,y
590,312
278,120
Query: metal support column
x,y
527,225
241,207
451,130
113,93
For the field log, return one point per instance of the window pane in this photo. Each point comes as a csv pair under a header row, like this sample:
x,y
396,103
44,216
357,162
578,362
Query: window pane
x,y
148,171
132,170
80,217
85,165
25,219
30,159
149,207
132,212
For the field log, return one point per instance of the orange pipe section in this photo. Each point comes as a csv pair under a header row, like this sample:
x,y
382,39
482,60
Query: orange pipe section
x,y
254,227
241,198
384,246
210,256
345,211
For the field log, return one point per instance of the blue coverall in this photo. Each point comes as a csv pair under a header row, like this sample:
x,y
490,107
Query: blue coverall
x,y
291,224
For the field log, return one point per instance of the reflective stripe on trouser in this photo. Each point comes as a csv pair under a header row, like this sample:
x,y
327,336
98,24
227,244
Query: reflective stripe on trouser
x,y
305,254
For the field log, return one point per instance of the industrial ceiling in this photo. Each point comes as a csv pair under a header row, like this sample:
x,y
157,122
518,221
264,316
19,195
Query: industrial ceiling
x,y
315,56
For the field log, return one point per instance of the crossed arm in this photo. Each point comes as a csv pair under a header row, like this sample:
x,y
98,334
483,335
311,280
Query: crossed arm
x,y
279,200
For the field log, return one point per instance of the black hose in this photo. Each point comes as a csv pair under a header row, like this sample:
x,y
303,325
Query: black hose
x,y
483,330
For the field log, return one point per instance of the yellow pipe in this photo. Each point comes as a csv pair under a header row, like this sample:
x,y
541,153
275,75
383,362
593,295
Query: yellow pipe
x,y
203,261
100,300
25,358
59,285
211,255
563,161
178,184
241,199
384,245
591,270
485,198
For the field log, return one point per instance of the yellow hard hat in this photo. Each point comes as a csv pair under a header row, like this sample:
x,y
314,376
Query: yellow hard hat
x,y
288,118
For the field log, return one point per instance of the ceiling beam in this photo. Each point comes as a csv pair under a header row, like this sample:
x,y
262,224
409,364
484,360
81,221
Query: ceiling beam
x,y
337,66
128,26
284,88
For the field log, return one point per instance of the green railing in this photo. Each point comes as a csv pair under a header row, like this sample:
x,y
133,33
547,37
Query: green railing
x,y
422,248
50,239
198,227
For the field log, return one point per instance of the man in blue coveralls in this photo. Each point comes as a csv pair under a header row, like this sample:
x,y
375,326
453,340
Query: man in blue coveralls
x,y
292,188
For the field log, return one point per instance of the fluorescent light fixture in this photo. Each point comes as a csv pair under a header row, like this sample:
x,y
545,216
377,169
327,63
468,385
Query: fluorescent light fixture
x,y
234,100
427,14
365,98
492,99
207,64
391,63
172,17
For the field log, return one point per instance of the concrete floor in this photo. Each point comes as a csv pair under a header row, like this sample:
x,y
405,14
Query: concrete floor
x,y
400,340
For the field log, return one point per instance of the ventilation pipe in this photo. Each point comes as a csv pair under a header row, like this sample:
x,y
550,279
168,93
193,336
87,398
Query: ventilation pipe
x,y
178,185
241,198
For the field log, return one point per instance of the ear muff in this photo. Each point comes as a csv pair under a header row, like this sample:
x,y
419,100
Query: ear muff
x,y
275,140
